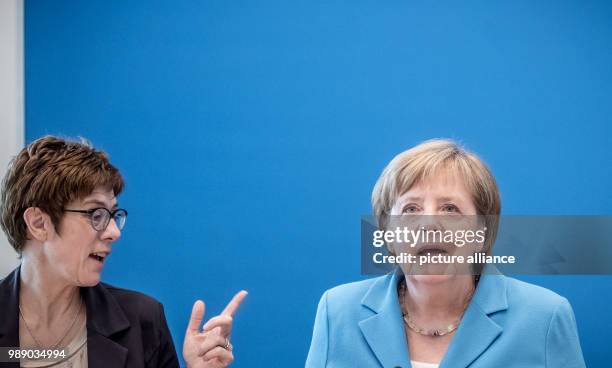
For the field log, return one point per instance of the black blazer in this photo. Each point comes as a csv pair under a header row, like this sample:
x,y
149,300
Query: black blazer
x,y
124,328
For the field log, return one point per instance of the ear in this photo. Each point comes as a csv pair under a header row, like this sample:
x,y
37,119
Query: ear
x,y
482,225
37,223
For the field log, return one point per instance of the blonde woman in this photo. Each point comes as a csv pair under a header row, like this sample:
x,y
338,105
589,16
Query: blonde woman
x,y
449,320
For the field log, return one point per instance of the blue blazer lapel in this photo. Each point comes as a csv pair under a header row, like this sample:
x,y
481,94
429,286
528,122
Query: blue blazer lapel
x,y
384,330
477,330
385,335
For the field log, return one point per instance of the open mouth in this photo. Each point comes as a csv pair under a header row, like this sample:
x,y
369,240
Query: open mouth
x,y
432,249
99,256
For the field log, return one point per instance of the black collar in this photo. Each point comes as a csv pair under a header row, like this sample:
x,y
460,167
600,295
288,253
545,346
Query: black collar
x,y
9,310
105,320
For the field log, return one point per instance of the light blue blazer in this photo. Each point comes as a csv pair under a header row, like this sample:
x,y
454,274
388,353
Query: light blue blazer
x,y
508,323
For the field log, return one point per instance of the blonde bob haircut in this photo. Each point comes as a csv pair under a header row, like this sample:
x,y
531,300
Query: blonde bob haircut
x,y
423,161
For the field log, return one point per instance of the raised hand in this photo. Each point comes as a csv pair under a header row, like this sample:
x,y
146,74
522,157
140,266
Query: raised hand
x,y
210,347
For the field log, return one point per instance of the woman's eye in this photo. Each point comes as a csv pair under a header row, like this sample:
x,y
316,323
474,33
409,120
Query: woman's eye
x,y
450,208
410,209
98,216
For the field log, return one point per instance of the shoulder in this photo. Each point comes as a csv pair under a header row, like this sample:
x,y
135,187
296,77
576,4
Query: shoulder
x,y
347,301
533,297
542,320
534,308
147,335
134,304
354,292
127,296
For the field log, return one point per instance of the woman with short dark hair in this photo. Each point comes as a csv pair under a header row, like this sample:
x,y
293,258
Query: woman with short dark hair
x,y
60,212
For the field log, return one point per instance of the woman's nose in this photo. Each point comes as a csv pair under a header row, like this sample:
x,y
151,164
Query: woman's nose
x,y
430,221
112,231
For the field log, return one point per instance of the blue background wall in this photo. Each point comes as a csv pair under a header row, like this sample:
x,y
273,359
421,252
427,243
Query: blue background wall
x,y
251,133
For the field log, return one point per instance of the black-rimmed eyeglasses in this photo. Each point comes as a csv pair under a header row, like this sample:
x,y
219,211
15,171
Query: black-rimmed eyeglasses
x,y
100,217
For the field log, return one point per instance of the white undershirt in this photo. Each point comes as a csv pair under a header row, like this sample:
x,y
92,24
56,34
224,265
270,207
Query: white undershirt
x,y
416,364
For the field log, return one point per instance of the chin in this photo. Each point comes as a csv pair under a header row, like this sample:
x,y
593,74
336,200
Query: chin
x,y
90,279
431,273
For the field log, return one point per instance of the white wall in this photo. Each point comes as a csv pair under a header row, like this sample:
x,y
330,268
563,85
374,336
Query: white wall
x,y
11,102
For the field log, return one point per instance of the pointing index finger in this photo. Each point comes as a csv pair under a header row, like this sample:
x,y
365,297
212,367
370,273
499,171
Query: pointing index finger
x,y
233,305
197,314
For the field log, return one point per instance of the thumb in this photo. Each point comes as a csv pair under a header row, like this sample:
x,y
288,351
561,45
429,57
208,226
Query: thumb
x,y
197,314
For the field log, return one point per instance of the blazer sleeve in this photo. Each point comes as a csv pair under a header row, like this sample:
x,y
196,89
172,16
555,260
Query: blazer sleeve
x,y
165,356
562,342
317,355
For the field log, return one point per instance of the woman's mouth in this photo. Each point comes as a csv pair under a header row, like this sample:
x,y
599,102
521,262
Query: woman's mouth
x,y
99,256
431,252
432,249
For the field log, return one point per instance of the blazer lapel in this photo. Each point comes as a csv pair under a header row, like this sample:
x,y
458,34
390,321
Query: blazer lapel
x,y
103,352
9,313
384,331
105,319
477,330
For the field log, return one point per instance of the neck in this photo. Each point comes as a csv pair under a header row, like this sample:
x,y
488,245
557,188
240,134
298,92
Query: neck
x,y
436,299
44,293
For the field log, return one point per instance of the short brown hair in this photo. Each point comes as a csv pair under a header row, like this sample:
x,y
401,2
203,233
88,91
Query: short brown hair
x,y
50,173
420,162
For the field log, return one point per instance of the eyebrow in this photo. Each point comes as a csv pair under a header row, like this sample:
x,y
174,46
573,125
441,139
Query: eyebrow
x,y
442,199
412,199
451,199
100,203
